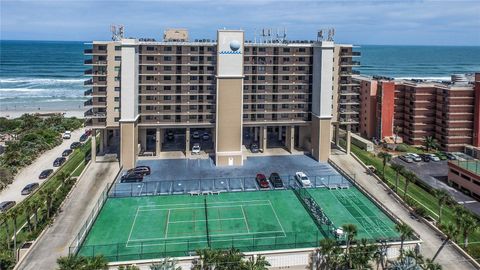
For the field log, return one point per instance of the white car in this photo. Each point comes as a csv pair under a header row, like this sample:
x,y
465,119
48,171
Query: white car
x,y
414,157
67,134
302,179
196,135
196,148
433,157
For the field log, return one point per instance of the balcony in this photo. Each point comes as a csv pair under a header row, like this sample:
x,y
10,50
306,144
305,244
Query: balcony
x,y
88,72
88,92
350,54
349,63
88,62
88,82
88,51
88,103
91,114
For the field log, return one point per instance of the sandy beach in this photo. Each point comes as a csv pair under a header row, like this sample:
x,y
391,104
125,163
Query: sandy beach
x,y
17,113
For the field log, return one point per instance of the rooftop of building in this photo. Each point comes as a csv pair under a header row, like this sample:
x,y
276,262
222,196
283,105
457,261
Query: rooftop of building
x,y
458,81
469,165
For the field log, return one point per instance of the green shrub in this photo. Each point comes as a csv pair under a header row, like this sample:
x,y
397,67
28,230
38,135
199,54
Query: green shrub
x,y
401,148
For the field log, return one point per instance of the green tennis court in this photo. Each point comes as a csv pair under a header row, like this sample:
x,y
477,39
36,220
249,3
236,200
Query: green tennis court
x,y
177,225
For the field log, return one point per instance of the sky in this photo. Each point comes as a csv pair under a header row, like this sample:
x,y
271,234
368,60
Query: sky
x,y
391,22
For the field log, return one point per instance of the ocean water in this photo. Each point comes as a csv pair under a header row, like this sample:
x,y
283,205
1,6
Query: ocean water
x,y
48,75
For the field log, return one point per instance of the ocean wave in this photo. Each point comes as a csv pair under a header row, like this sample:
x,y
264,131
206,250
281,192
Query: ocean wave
x,y
433,78
22,80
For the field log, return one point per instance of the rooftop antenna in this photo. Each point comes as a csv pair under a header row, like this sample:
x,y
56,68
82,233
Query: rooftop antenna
x,y
117,32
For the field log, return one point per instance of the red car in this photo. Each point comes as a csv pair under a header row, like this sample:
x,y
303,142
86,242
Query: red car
x,y
262,181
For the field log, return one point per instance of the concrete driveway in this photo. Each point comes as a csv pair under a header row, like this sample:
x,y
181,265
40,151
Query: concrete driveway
x,y
435,174
30,173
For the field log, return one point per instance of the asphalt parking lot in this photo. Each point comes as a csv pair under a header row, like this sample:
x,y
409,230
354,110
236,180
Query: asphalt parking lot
x,y
435,174
184,175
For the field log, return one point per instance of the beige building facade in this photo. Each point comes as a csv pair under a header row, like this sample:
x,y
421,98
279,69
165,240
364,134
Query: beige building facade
x,y
150,97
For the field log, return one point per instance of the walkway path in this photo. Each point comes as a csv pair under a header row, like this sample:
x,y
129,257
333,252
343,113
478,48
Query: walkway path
x,y
449,258
30,173
55,242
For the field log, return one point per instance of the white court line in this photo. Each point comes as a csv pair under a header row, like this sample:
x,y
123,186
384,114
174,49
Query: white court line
x,y
168,221
203,235
133,225
278,220
245,219
200,207
203,220
229,202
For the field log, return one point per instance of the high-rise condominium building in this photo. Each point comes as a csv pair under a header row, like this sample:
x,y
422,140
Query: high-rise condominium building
x,y
158,96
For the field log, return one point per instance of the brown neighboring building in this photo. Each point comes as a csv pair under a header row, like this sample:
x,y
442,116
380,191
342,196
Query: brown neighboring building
x,y
446,111
465,175
143,92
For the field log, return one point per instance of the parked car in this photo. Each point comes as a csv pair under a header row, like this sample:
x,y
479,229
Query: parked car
x,y
262,181
196,135
170,135
406,158
433,157
88,132
276,180
302,179
67,134
143,170
254,148
75,145
196,148
450,156
4,206
84,137
66,152
414,157
132,178
29,188
45,173
59,161
206,136
425,157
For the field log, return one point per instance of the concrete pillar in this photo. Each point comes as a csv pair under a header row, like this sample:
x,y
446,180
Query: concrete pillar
x,y
102,140
349,140
94,145
158,141
337,134
255,134
290,138
143,138
187,141
280,133
263,138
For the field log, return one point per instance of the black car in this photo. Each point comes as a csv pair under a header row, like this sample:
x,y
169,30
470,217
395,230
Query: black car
x,y
276,180
59,161
67,152
75,145
450,156
425,157
29,188
84,137
143,170
4,206
132,178
254,148
45,173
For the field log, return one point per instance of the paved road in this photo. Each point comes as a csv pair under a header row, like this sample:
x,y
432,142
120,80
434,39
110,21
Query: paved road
x,y
30,173
449,258
435,174
77,207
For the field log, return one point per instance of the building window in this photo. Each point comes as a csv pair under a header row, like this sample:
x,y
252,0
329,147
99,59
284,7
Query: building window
x,y
117,89
261,49
286,50
167,108
167,58
116,99
193,97
285,78
166,117
301,50
167,68
193,58
168,49
150,48
149,58
193,78
167,88
150,68
118,48
167,98
118,58
167,78
285,68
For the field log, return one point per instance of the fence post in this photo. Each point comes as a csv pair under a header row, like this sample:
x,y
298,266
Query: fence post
x,y
295,240
117,252
141,251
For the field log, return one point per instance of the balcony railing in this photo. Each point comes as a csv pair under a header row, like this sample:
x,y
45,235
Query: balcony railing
x,y
88,51
88,72
88,82
88,103
88,92
350,63
88,62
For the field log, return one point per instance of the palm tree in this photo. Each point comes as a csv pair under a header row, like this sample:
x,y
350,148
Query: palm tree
x,y
362,254
351,231
166,264
328,256
97,263
257,264
399,169
71,262
36,204
386,157
13,214
468,226
430,265
409,178
405,233
451,232
207,259
443,197
29,207
430,143
4,220
47,196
